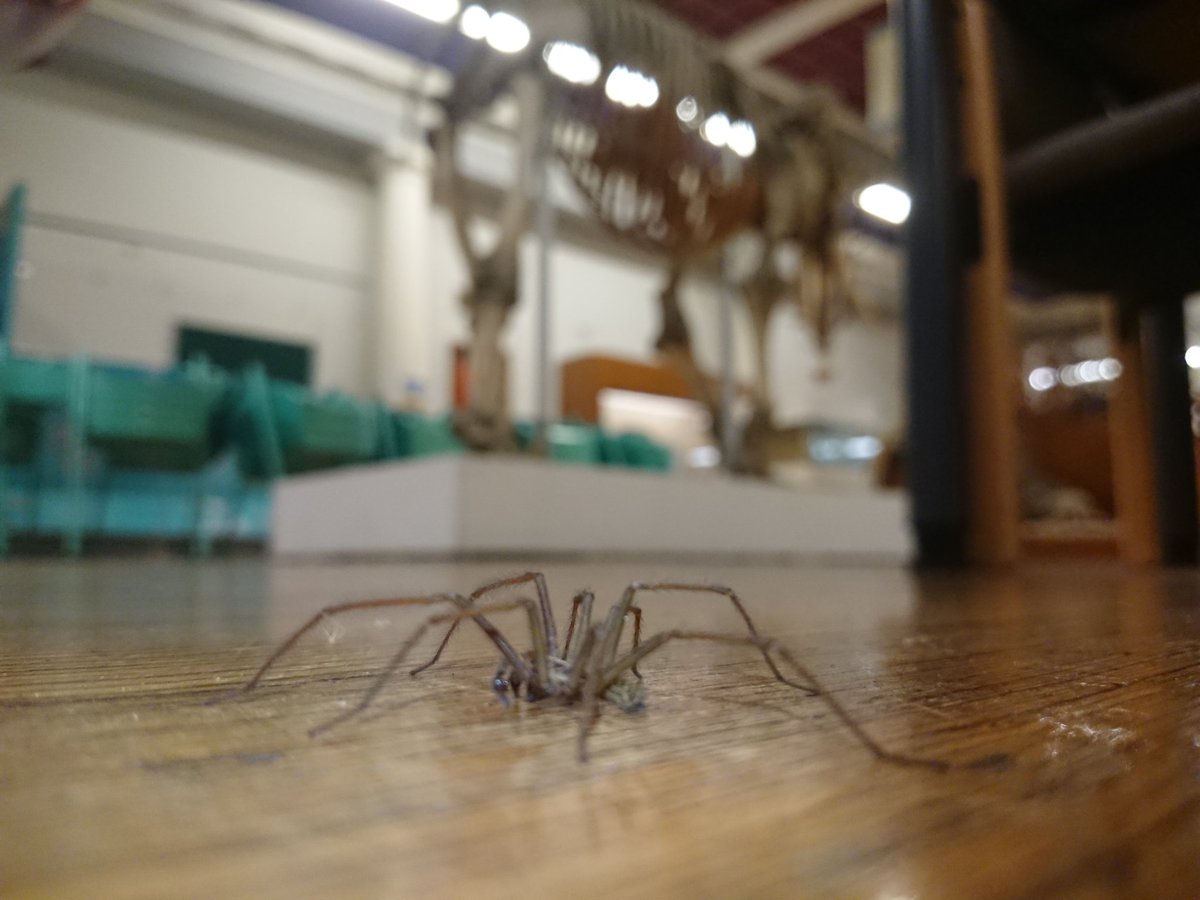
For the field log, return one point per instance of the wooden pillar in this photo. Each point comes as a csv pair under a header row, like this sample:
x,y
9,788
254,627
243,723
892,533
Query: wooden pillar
x,y
1132,454
991,363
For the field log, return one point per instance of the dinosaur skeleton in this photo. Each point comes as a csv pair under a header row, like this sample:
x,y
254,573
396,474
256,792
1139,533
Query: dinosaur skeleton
x,y
649,173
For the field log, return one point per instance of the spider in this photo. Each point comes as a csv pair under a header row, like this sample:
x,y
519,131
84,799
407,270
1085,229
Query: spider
x,y
587,667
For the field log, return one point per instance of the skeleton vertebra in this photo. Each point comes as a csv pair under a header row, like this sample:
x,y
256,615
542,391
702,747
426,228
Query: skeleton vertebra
x,y
651,175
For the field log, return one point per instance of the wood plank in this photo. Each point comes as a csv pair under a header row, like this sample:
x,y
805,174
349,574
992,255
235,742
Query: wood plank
x,y
1132,451
1068,699
991,358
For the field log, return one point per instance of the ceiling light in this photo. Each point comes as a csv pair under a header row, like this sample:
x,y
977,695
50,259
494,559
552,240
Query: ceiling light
x,y
1089,371
742,140
507,33
885,201
631,88
716,129
474,22
1043,378
572,63
687,110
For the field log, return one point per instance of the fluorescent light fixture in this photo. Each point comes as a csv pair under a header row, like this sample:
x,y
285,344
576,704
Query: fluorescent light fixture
x,y
631,88
433,10
1193,357
474,22
572,63
507,33
885,201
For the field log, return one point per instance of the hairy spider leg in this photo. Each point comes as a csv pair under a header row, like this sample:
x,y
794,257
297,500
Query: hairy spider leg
x,y
766,646
334,610
683,587
464,603
475,613
539,582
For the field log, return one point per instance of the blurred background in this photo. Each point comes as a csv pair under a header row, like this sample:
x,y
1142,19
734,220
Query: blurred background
x,y
229,260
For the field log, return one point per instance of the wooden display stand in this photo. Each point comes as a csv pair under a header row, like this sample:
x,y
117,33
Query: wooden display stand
x,y
583,379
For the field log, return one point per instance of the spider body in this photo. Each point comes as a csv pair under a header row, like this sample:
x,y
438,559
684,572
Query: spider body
x,y
588,667
628,693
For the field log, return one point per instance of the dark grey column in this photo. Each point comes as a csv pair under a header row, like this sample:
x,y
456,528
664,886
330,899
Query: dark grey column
x,y
936,451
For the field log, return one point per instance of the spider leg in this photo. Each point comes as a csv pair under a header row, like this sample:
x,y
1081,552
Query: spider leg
x,y
766,646
593,678
578,668
514,662
334,610
539,582
437,653
661,586
585,599
637,637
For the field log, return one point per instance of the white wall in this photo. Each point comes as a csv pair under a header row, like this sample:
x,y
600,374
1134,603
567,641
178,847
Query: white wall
x,y
142,218
859,382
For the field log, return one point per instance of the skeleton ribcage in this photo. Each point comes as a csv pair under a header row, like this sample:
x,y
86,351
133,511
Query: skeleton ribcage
x,y
650,178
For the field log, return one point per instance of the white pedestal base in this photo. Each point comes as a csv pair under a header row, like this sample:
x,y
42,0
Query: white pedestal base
x,y
496,505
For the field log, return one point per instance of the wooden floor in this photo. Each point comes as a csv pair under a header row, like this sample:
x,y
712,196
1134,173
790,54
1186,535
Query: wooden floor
x,y
1068,700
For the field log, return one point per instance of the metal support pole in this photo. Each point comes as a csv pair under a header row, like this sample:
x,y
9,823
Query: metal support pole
x,y
545,224
729,448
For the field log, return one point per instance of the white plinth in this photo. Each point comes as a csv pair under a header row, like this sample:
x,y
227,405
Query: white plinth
x,y
491,505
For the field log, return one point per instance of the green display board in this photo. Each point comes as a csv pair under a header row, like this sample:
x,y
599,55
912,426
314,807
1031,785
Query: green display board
x,y
237,352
